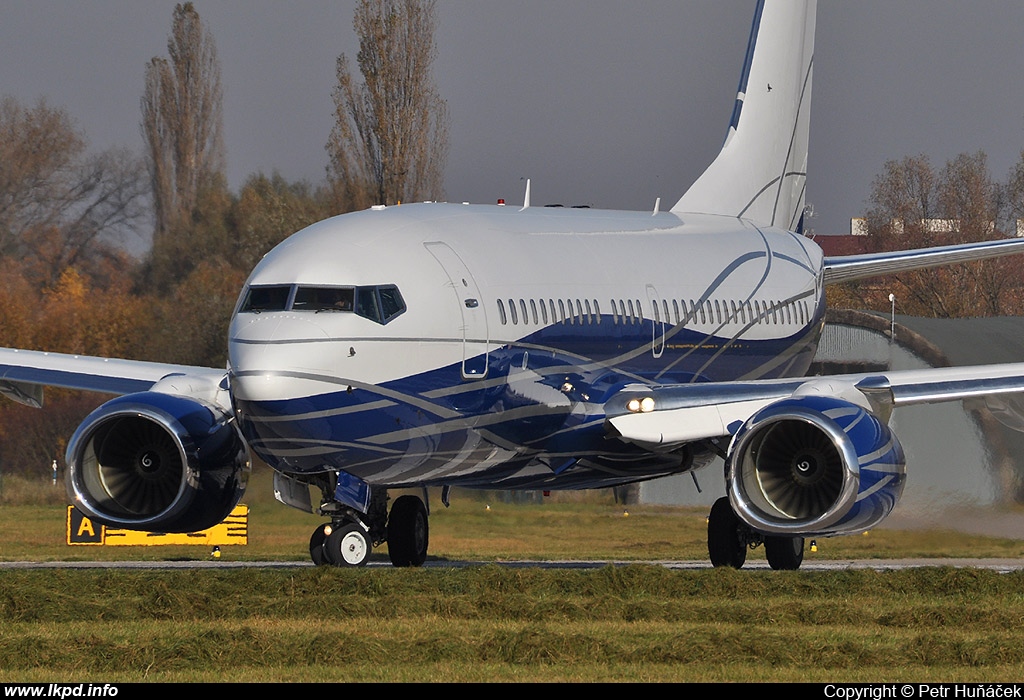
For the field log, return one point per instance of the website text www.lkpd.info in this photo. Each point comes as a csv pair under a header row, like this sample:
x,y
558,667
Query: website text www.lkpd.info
x,y
60,690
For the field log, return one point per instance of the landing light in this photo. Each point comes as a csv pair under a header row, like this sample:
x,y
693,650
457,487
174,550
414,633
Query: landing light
x,y
644,405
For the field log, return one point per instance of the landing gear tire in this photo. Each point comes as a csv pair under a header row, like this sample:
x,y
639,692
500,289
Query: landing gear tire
x,y
725,545
347,545
784,553
316,545
408,532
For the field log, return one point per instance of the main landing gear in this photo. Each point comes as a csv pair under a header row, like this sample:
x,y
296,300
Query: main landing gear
x,y
350,537
729,538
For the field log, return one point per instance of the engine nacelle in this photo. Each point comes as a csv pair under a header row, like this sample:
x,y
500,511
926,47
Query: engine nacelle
x,y
158,462
814,466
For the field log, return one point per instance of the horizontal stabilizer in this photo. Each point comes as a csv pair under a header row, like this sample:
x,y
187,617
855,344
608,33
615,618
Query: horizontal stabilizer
x,y
849,268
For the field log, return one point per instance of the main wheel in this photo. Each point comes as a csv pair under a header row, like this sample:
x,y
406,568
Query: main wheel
x,y
347,545
725,546
784,553
408,532
316,545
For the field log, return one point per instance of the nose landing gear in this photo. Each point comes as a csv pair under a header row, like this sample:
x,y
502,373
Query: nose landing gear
x,y
350,537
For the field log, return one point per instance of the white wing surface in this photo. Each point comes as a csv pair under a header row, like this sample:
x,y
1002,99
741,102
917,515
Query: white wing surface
x,y
24,374
675,415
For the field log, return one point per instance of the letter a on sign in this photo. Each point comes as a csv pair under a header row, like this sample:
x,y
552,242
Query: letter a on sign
x,y
81,530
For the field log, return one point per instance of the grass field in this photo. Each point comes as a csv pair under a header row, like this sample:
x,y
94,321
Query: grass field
x,y
634,623
483,623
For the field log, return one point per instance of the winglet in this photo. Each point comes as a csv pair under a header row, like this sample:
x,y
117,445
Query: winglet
x,y
760,173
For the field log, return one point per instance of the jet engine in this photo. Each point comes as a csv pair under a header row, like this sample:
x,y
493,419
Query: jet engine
x,y
814,465
158,462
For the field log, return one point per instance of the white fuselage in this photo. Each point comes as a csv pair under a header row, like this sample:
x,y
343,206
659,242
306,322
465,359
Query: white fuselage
x,y
514,325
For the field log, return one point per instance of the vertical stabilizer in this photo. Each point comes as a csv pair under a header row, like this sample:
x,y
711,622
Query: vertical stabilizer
x,y
761,171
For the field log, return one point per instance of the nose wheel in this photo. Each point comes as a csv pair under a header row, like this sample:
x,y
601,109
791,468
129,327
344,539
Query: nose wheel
x,y
347,545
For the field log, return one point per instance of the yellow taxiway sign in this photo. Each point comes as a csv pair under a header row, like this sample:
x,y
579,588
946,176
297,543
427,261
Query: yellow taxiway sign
x,y
232,530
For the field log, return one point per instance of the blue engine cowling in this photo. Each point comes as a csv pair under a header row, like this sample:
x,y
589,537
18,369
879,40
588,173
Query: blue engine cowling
x,y
157,462
814,466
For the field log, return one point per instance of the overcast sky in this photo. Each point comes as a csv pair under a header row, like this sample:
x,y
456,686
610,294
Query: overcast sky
x,y
601,102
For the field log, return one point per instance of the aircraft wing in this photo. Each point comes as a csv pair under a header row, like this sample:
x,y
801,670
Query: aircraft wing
x,y
662,418
848,268
24,374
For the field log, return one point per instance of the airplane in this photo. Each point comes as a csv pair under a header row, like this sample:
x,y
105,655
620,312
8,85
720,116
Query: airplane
x,y
519,347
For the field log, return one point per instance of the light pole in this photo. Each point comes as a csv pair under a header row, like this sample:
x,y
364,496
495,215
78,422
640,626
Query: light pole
x,y
892,317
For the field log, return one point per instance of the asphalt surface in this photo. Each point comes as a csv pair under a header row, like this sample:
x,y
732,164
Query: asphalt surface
x,y
1003,565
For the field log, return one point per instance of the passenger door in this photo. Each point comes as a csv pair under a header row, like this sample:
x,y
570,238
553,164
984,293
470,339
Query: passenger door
x,y
475,337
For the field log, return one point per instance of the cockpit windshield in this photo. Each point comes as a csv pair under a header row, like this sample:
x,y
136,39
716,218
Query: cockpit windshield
x,y
323,299
266,299
379,303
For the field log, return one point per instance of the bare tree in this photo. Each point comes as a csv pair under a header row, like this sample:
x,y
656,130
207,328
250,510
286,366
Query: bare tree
x,y
904,192
976,207
390,139
182,120
916,206
57,202
39,148
1015,191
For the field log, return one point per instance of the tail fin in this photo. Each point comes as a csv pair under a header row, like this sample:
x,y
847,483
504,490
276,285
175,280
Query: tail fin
x,y
761,171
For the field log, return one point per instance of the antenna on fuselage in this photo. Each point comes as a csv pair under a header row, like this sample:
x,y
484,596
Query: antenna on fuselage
x,y
657,206
526,198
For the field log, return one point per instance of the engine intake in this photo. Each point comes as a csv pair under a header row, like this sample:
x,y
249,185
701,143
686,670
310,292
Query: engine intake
x,y
814,465
159,462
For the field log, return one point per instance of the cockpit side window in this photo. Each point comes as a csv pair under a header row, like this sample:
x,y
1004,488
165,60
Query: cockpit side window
x,y
366,304
266,299
391,301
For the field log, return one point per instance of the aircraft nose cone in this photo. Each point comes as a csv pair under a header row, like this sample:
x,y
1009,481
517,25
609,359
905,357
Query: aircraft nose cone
x,y
270,353
266,328
272,341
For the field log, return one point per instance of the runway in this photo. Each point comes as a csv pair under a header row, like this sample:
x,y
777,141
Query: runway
x,y
1001,565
